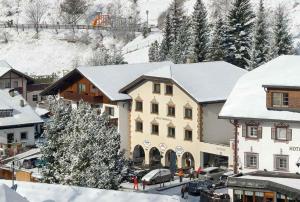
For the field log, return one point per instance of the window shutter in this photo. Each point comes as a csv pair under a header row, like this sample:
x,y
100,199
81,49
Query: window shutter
x,y
259,132
273,133
289,134
244,130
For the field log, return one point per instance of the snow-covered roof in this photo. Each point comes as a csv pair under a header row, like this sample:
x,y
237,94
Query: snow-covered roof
x,y
36,192
21,115
4,67
248,98
41,111
205,82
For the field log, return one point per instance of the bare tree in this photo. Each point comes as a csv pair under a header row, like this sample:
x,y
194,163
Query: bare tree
x,y
73,10
35,12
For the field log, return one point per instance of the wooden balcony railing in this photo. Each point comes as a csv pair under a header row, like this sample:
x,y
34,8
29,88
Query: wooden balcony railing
x,y
69,95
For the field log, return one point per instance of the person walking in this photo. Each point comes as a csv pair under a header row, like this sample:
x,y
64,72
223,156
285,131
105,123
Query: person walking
x,y
144,184
183,188
191,173
135,183
180,174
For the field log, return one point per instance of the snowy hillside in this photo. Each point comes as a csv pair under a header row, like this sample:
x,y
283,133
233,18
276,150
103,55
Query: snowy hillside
x,y
52,54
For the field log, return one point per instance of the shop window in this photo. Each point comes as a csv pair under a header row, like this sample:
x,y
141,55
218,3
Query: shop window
x,y
249,196
237,195
259,196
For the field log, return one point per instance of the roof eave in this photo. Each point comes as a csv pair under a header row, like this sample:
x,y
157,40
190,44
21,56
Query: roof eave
x,y
258,119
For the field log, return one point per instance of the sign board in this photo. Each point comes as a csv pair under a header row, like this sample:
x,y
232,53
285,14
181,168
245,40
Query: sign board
x,y
147,143
179,150
295,149
163,147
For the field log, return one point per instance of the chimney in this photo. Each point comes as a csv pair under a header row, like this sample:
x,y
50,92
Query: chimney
x,y
22,103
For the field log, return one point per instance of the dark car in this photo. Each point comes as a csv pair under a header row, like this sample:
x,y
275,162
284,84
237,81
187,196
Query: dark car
x,y
196,186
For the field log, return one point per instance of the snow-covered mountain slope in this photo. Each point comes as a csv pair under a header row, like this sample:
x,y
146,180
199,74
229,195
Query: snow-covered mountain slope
x,y
51,54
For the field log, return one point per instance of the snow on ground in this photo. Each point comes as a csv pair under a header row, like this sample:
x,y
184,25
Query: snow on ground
x,y
39,192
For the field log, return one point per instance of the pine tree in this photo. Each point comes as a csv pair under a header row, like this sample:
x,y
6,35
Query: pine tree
x,y
240,21
166,43
154,52
261,46
176,17
283,42
200,31
91,154
182,50
55,134
217,48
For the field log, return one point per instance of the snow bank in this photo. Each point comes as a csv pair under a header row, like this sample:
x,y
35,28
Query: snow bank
x,y
37,192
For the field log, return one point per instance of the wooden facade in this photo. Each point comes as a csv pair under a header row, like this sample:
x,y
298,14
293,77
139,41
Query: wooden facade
x,y
87,92
293,99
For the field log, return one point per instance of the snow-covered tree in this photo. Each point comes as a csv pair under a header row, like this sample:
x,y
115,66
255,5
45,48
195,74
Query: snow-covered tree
x,y
91,151
182,51
55,134
217,47
35,11
176,18
166,43
153,53
240,21
261,46
283,41
73,10
116,57
200,31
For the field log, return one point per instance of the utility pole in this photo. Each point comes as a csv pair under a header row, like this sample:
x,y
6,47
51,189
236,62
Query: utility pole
x,y
147,13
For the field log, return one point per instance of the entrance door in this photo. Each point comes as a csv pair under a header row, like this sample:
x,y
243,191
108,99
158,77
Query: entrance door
x,y
269,197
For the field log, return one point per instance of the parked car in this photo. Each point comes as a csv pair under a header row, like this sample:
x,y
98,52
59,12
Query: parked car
x,y
223,178
194,187
157,176
211,173
128,173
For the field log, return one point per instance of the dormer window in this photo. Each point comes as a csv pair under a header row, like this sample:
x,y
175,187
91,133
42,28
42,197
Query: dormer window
x,y
6,113
280,99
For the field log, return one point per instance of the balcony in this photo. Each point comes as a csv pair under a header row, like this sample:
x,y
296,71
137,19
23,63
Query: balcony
x,y
90,98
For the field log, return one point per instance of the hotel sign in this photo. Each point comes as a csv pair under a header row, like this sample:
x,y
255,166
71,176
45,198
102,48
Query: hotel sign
x,y
179,150
295,149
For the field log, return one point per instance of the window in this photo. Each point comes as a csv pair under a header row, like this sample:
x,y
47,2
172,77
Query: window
x,y
171,111
188,135
34,98
188,113
6,84
138,106
110,111
139,126
280,99
281,133
171,132
6,113
252,131
251,160
81,88
154,129
10,138
281,162
169,90
24,136
154,108
156,88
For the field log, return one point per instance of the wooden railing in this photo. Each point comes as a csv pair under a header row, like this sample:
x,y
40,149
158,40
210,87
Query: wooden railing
x,y
85,97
